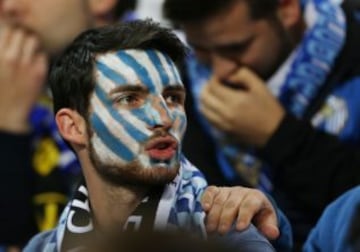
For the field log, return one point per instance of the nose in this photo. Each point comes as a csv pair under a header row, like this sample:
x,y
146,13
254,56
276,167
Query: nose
x,y
161,115
10,8
222,66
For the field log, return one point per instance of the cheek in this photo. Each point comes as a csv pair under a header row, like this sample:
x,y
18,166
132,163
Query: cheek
x,y
107,144
261,57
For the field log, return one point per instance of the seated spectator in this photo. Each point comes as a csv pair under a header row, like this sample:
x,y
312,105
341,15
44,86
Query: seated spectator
x,y
275,86
119,103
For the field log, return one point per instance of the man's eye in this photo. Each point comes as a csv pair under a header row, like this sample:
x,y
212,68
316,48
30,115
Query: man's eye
x,y
128,99
174,99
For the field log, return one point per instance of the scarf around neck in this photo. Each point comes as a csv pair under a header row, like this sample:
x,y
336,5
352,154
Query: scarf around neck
x,y
176,206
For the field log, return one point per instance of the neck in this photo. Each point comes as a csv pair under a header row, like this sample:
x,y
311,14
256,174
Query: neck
x,y
111,204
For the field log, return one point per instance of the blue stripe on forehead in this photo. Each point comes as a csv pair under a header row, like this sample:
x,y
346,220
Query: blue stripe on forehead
x,y
159,67
109,140
173,70
129,127
110,73
139,69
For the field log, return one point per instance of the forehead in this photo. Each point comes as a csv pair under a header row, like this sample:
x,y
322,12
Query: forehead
x,y
151,68
236,23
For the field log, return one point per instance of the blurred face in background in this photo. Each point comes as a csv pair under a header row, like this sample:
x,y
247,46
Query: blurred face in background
x,y
55,22
232,38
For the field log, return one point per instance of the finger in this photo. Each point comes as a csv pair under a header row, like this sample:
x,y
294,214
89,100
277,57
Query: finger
x,y
15,46
215,118
31,45
208,197
213,216
266,221
230,211
267,224
256,207
213,107
5,34
247,79
41,69
249,207
223,91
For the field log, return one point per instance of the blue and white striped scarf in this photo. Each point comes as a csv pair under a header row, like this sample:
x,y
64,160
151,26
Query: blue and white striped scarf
x,y
178,207
296,84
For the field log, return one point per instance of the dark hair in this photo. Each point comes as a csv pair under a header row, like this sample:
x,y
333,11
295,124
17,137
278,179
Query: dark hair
x,y
179,11
72,76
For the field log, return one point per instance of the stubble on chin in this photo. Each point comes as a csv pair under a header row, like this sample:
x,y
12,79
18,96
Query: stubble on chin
x,y
133,173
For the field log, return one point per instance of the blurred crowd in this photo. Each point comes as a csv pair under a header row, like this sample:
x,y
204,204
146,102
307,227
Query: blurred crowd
x,y
237,120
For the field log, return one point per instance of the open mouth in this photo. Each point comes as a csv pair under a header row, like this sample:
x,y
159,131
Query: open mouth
x,y
162,148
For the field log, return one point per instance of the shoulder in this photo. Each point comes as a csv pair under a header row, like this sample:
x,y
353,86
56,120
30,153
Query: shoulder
x,y
331,231
343,207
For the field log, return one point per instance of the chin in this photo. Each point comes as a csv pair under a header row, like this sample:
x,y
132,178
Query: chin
x,y
136,174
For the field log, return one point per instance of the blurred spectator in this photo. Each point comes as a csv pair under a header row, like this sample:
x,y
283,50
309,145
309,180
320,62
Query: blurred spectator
x,y
275,88
38,168
338,228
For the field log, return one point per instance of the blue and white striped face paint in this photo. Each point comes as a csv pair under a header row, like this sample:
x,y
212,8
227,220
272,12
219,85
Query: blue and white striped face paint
x,y
137,109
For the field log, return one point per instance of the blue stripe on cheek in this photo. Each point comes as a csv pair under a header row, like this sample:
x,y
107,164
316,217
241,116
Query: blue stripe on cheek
x,y
109,140
183,124
140,70
110,73
130,129
181,116
159,67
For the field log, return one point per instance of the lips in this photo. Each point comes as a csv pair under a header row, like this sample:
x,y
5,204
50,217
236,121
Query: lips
x,y
162,148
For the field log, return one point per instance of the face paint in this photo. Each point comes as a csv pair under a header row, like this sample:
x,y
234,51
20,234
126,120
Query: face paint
x,y
137,110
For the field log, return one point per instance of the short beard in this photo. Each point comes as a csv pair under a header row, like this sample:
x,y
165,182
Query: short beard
x,y
133,173
287,45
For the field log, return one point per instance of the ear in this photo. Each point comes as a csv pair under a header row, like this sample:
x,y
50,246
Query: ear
x,y
101,8
72,126
289,12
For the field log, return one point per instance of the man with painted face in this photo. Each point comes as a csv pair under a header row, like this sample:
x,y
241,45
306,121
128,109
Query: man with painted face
x,y
281,102
119,103
35,160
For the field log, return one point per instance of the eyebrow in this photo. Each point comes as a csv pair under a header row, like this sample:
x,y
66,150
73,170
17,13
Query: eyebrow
x,y
226,47
176,88
235,45
131,88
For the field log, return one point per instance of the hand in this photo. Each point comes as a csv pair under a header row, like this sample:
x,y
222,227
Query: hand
x,y
23,69
226,205
248,112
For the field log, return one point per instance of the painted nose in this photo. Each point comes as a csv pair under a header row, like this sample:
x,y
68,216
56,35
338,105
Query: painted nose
x,y
161,115
223,67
